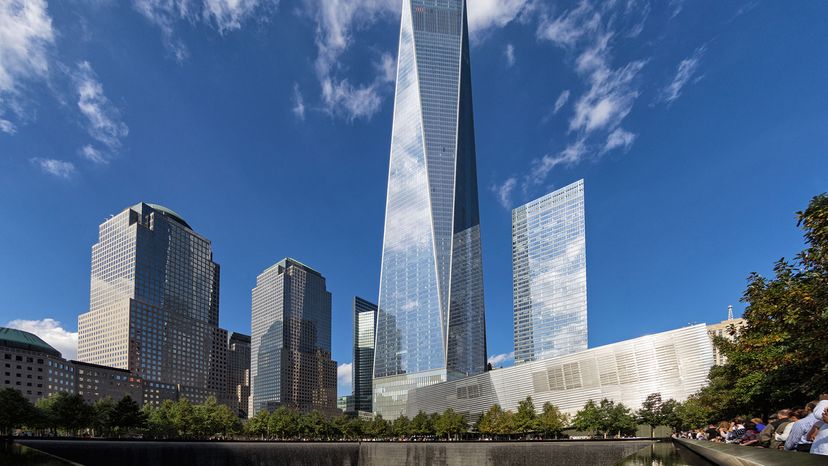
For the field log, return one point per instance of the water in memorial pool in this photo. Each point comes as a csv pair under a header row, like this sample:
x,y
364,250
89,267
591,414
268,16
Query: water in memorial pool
x,y
13,453
664,454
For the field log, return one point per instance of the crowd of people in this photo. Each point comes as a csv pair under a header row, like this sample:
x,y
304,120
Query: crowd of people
x,y
799,429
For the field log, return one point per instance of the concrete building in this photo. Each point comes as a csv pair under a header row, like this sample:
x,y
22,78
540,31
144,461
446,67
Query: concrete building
x,y
94,382
33,367
549,275
674,363
154,303
365,318
238,373
728,329
291,341
431,320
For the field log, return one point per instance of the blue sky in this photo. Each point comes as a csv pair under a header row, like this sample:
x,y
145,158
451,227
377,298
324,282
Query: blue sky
x,y
699,128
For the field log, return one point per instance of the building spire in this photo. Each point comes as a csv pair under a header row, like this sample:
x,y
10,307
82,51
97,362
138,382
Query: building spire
x,y
730,312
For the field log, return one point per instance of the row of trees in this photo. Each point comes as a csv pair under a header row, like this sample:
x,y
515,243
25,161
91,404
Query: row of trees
x,y
68,414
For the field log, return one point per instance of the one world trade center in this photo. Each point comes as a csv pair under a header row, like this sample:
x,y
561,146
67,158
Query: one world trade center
x,y
431,318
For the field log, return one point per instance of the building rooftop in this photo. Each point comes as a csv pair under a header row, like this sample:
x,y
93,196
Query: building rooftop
x,y
170,213
24,340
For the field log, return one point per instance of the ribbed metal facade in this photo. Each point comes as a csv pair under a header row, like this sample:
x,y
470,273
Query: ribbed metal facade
x,y
674,363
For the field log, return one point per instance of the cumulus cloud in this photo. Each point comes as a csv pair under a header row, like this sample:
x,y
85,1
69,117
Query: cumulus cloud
x,y
504,359
488,14
344,377
684,74
224,15
51,331
26,36
103,121
58,168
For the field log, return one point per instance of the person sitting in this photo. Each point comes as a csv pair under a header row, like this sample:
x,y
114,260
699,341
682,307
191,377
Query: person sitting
x,y
760,426
737,431
724,431
819,432
711,433
783,430
751,436
797,439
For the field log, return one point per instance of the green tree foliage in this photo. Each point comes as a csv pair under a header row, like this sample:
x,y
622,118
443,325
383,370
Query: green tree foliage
x,y
401,427
257,426
450,424
15,411
651,412
605,418
779,357
551,422
102,416
126,416
422,425
525,419
68,413
159,420
284,423
378,428
588,419
692,414
496,422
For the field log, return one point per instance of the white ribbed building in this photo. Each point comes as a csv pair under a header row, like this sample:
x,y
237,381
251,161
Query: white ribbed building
x,y
674,363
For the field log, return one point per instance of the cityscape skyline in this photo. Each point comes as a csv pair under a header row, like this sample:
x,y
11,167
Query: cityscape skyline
x,y
705,197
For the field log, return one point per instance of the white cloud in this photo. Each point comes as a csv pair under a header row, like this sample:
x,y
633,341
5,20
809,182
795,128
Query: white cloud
x,y
26,36
504,359
684,73
567,29
102,118
488,14
572,154
504,192
619,139
58,168
298,102
93,155
50,331
388,68
225,15
344,377
7,126
561,101
509,53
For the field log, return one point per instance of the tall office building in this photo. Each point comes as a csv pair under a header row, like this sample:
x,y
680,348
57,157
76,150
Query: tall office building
x,y
549,267
154,302
238,373
291,341
430,324
365,318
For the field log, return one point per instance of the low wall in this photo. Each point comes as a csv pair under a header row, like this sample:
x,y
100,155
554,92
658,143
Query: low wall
x,y
735,455
139,453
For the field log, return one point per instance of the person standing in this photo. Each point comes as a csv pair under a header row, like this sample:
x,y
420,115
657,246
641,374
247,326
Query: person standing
x,y
797,439
819,432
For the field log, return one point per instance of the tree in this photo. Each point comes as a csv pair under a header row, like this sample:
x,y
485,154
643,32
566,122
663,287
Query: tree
x,y
160,424
450,424
102,416
15,410
69,413
588,419
182,417
378,428
692,414
618,418
422,425
525,420
651,413
551,422
284,423
401,427
126,415
778,358
496,422
315,425
257,426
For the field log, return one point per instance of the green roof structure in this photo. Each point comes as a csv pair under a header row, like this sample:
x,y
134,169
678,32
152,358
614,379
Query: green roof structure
x,y
24,340
170,213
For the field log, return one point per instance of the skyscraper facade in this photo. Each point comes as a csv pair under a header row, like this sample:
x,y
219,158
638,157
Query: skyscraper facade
x,y
291,362
549,267
365,317
430,323
238,373
154,302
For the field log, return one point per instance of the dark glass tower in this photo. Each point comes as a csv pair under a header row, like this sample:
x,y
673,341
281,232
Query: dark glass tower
x,y
430,323
365,319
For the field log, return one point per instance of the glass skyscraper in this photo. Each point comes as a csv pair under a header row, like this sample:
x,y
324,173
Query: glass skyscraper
x,y
549,267
430,323
154,303
365,318
290,354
